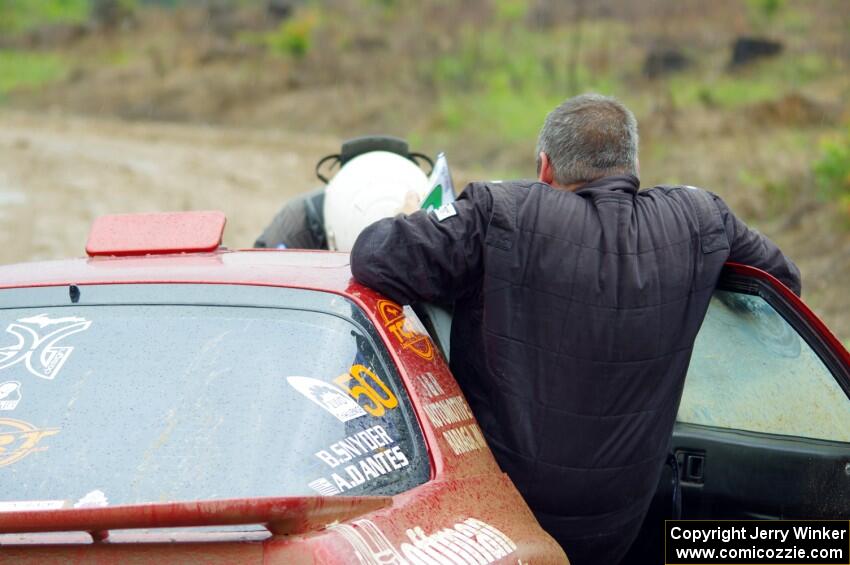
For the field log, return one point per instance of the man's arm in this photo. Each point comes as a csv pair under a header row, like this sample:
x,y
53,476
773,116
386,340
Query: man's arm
x,y
425,256
750,247
292,226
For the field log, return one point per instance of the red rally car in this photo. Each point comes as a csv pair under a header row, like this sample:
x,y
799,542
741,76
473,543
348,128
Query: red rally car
x,y
167,400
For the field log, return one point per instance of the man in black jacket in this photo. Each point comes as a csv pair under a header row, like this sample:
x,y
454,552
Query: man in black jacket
x,y
577,302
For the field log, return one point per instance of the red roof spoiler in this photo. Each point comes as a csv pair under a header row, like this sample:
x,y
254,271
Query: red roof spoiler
x,y
281,516
159,233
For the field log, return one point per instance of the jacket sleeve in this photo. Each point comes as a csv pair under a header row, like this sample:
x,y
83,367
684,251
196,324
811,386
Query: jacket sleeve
x,y
291,227
749,247
425,256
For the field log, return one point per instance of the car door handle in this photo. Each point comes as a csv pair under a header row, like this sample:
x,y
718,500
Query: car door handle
x,y
691,466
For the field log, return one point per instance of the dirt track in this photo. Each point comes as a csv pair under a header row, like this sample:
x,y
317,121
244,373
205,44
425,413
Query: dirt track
x,y
57,174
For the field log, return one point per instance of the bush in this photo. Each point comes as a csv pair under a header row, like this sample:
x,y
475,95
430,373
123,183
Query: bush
x,y
23,69
505,82
832,169
511,11
293,37
18,16
764,10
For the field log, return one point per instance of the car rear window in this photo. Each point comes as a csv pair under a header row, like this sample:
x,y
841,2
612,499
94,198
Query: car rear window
x,y
150,393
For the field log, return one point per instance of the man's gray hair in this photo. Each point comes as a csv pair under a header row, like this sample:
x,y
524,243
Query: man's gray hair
x,y
589,137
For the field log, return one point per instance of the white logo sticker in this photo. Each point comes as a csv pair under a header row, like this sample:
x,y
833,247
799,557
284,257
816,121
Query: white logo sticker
x,y
31,505
445,211
10,395
42,357
323,487
94,499
333,400
471,542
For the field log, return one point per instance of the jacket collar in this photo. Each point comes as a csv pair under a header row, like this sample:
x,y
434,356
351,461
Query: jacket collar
x,y
624,183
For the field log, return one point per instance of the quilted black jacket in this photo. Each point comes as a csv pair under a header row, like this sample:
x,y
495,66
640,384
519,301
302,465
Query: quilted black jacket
x,y
575,318
300,224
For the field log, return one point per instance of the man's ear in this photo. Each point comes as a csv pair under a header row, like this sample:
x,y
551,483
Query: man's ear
x,y
545,172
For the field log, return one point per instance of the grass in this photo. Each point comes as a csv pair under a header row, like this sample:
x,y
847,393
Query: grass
x,y
504,81
19,69
832,170
18,16
293,37
768,80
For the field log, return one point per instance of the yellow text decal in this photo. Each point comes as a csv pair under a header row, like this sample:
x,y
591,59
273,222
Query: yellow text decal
x,y
19,439
367,384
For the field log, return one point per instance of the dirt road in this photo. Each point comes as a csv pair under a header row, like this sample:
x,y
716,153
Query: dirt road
x,y
57,174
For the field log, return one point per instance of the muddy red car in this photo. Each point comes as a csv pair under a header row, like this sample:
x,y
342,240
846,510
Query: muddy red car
x,y
166,400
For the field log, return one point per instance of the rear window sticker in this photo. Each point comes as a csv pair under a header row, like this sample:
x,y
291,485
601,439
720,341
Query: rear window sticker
x,y
356,445
10,395
366,469
358,459
323,487
364,378
330,398
37,347
18,439
31,505
404,331
94,499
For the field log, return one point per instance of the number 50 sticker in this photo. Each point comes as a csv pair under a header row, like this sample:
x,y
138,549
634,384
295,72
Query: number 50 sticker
x,y
379,402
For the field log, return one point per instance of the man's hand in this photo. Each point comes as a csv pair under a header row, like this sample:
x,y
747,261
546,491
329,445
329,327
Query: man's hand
x,y
411,203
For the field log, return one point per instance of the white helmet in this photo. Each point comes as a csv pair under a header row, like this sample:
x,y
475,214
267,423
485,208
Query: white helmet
x,y
367,188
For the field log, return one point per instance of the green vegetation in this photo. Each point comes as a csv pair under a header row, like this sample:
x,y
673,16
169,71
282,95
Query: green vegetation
x,y
764,10
28,69
768,80
23,15
20,16
504,80
294,36
832,169
511,10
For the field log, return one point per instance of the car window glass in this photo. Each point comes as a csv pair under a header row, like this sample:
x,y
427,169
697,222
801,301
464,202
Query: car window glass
x,y
118,404
751,371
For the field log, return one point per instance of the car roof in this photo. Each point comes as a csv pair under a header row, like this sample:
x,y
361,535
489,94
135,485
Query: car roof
x,y
316,270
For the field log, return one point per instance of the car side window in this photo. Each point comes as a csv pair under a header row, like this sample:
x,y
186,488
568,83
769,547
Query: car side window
x,y
752,371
